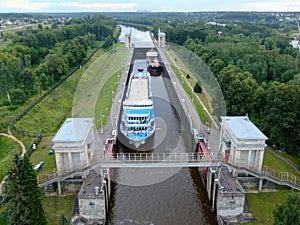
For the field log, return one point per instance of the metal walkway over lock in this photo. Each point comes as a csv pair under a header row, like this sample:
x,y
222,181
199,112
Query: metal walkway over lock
x,y
119,160
164,160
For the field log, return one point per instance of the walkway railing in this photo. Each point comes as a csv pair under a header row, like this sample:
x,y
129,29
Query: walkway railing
x,y
128,160
282,178
154,158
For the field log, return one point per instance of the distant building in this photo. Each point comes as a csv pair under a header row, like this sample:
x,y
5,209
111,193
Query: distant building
x,y
295,43
242,143
74,144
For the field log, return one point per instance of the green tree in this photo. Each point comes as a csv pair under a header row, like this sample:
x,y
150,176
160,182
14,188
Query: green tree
x,y
22,194
238,89
281,116
63,220
197,88
288,213
216,65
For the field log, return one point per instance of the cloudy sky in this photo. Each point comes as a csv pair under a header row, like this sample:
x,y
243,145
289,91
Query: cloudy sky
x,y
153,5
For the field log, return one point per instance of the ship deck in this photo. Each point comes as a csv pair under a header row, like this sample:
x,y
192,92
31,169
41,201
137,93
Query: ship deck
x,y
139,91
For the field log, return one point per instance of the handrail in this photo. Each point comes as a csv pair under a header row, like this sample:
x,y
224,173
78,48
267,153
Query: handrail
x,y
155,157
133,159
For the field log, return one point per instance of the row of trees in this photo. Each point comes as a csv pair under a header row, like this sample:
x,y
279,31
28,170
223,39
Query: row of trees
x,y
37,59
258,72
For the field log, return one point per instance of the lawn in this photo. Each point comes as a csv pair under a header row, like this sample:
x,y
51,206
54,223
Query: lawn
x,y
94,80
7,149
274,162
291,159
262,205
55,206
104,100
202,114
41,154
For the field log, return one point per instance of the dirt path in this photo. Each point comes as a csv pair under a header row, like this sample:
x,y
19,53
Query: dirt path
x,y
285,160
11,136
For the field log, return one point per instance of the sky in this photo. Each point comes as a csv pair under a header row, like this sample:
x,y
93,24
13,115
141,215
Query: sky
x,y
152,5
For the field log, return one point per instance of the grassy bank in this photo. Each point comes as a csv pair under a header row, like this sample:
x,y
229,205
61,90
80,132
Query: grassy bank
x,y
202,114
48,115
104,101
8,147
262,205
291,158
274,162
181,70
55,206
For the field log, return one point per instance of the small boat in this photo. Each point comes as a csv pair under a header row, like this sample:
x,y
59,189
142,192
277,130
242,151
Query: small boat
x,y
154,66
137,121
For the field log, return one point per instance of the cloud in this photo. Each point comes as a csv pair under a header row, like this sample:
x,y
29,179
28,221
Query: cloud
x,y
99,6
271,6
23,5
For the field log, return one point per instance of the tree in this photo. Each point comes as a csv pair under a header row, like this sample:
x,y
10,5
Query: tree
x,y
197,88
216,65
238,89
288,213
22,194
281,116
63,220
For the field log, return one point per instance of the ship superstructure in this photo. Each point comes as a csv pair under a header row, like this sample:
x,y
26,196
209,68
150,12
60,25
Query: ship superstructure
x,y
137,122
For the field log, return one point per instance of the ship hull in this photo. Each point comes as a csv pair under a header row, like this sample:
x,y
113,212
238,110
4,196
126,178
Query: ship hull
x,y
155,70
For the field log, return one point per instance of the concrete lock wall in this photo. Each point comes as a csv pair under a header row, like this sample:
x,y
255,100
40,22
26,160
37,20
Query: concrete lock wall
x,y
230,204
92,207
185,123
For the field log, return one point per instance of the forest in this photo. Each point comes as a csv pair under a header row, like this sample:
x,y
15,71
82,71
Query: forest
x,y
36,59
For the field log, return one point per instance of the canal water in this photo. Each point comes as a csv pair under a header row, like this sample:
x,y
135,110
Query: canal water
x,y
159,196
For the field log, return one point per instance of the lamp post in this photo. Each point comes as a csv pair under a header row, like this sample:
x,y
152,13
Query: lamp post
x,y
101,118
112,95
